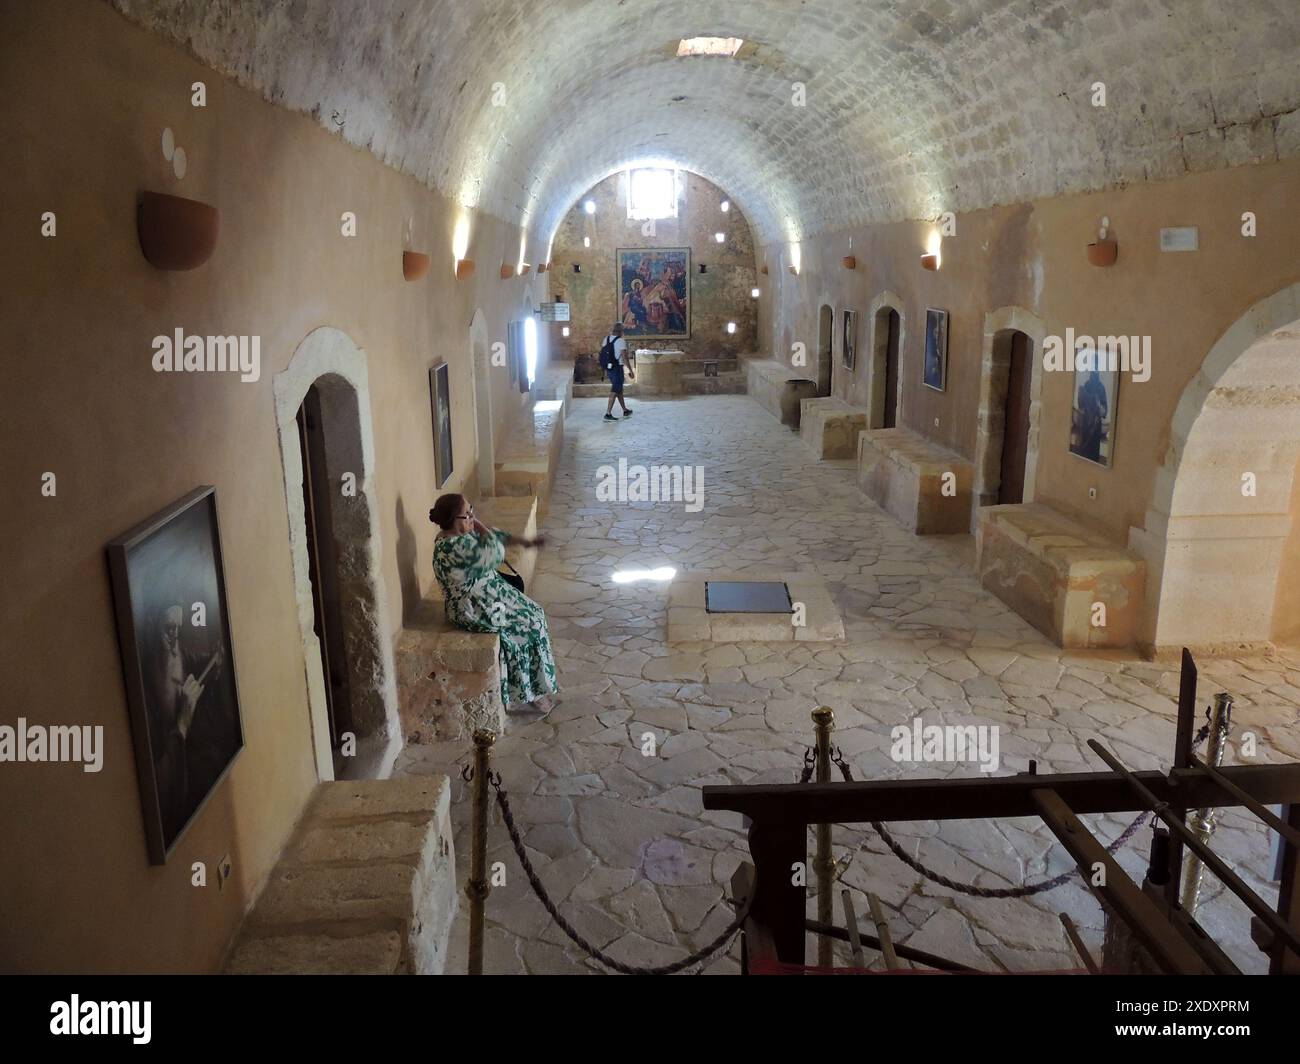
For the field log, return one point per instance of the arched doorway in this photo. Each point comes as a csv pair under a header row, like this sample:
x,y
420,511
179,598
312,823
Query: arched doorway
x,y
322,405
825,362
1006,444
1221,538
886,351
486,455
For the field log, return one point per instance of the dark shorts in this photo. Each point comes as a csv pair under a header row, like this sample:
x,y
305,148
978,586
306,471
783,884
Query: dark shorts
x,y
615,375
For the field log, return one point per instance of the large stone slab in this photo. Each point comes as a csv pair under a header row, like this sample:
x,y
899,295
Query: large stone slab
x,y
1056,573
366,886
830,426
923,486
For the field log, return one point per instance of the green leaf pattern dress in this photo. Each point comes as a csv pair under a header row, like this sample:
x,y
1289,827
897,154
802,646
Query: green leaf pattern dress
x,y
479,600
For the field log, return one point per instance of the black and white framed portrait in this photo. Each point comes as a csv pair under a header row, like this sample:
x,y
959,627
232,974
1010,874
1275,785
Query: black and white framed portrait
x,y
173,625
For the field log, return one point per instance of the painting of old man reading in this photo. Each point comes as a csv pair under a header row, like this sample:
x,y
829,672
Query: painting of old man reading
x,y
654,295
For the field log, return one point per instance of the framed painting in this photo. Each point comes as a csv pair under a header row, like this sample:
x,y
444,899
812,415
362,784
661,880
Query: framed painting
x,y
173,627
440,403
1092,412
935,370
849,352
654,292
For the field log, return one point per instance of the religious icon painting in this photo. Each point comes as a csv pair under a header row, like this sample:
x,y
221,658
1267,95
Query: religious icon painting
x,y
935,370
1092,412
849,350
654,292
173,627
440,400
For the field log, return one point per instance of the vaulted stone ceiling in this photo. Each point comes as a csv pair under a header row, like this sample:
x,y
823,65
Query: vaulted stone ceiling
x,y
912,106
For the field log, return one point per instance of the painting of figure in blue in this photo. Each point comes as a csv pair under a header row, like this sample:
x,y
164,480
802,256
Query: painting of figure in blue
x,y
655,292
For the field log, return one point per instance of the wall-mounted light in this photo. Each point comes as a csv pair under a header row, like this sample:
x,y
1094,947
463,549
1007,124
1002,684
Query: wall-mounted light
x,y
850,262
755,293
414,265
589,206
933,244
763,269
731,326
577,267
523,268
464,269
586,241
1105,251
720,237
507,271
725,205
564,331
176,233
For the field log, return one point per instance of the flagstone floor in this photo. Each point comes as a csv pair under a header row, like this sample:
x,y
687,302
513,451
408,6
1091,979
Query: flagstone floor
x,y
619,838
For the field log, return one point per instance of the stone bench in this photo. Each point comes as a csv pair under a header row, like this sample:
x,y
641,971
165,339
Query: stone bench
x,y
1053,572
448,680
778,388
367,886
516,514
830,426
923,486
529,455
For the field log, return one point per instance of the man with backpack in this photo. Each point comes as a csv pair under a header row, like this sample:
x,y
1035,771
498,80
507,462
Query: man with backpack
x,y
613,358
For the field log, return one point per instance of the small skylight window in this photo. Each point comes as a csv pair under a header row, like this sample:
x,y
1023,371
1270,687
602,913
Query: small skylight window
x,y
652,193
727,46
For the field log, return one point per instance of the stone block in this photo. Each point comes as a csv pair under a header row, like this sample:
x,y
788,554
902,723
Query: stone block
x,y
830,426
925,487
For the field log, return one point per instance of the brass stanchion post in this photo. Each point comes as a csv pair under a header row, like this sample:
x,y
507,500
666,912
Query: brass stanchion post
x,y
1202,821
824,721
477,888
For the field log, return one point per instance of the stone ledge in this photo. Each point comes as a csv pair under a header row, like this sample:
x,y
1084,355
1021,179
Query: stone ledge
x,y
904,474
366,886
526,462
1052,570
830,426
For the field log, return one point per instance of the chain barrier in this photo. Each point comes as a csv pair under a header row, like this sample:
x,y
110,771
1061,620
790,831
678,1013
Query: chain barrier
x,y
699,957
970,888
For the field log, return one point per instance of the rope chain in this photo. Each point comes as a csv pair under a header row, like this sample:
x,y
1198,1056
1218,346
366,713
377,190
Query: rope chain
x,y
699,957
970,888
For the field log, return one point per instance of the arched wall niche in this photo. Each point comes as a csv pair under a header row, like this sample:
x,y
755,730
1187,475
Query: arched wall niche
x,y
1220,516
328,358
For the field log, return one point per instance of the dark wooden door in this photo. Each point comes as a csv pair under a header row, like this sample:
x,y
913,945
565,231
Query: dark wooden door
x,y
1015,441
322,562
891,372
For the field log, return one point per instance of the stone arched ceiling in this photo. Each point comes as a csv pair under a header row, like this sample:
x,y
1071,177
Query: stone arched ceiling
x,y
516,107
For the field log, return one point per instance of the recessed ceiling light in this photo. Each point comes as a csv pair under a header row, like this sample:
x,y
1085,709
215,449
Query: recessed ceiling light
x,y
727,46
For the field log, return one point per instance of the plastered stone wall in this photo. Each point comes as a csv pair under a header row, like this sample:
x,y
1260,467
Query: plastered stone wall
x,y
722,294
910,107
80,312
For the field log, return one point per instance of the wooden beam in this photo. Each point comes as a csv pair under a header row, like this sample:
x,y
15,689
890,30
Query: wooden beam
x,y
1000,796
1162,940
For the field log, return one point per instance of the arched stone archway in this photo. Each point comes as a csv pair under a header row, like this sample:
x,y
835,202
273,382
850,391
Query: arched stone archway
x,y
995,363
1220,512
482,384
329,359
878,318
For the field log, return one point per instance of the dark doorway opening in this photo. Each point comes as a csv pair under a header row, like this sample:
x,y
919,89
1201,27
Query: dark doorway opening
x,y
323,567
825,363
893,328
1015,439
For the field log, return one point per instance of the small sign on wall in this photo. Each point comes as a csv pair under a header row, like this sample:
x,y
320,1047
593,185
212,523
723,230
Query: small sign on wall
x,y
1179,238
554,311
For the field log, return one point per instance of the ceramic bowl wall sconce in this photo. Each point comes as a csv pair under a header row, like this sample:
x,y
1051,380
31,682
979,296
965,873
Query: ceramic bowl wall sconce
x,y
524,268
414,265
850,262
464,268
1105,251
507,271
793,269
763,269
929,262
176,233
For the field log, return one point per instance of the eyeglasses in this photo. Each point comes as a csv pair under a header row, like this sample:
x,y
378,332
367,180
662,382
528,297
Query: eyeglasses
x,y
466,517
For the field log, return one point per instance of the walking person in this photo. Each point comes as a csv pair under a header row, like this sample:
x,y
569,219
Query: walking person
x,y
479,599
613,360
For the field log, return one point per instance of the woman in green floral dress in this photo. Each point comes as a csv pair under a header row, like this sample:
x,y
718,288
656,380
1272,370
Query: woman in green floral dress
x,y
465,559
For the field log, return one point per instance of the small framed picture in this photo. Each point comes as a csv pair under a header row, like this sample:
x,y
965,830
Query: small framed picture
x,y
849,353
935,370
173,629
1092,412
440,400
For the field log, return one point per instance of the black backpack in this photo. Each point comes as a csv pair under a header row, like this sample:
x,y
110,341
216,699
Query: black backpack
x,y
608,360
